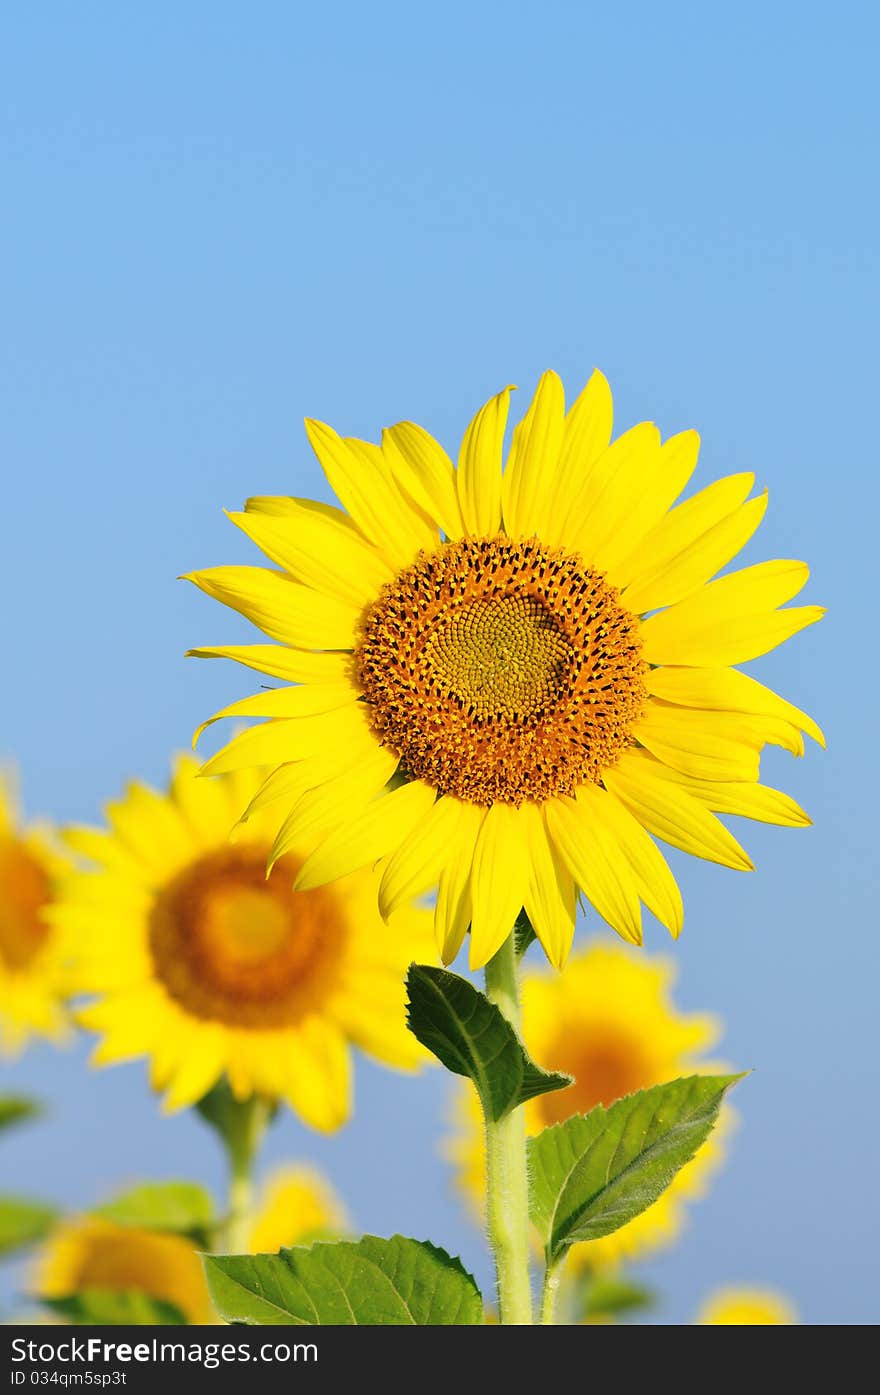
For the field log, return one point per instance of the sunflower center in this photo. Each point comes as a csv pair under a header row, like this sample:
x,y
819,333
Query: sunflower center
x,y
25,892
232,946
499,670
606,1064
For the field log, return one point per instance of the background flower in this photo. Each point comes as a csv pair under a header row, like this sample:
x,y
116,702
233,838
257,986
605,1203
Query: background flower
x,y
746,1307
199,961
33,973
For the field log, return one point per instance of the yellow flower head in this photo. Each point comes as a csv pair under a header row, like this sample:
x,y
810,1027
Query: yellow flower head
x,y
297,1206
88,1252
747,1307
609,1021
206,965
504,683
33,979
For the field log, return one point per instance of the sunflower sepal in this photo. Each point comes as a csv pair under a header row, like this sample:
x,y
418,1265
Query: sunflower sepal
x,y
371,1282
470,1036
594,1172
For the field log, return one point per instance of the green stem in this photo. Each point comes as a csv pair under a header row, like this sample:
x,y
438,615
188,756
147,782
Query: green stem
x,y
506,1176
242,1136
549,1295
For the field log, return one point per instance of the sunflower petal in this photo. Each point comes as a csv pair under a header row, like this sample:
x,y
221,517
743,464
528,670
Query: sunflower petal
x,y
608,490
671,813
320,547
706,745
295,665
551,899
370,835
657,886
597,864
281,608
727,690
361,480
648,498
306,700
526,488
424,471
452,912
716,642
499,881
415,866
692,568
478,479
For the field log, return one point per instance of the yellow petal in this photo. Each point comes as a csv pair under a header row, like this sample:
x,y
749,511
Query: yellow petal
x,y
653,489
692,568
671,813
282,608
749,800
728,690
415,866
320,547
424,471
712,642
304,701
295,665
597,864
751,591
550,899
655,883
344,795
453,910
526,489
361,480
586,436
683,526
478,479
609,490
705,745
316,1063
371,834
279,741
499,881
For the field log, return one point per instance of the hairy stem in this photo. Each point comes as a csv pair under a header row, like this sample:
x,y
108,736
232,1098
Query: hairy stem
x,y
507,1179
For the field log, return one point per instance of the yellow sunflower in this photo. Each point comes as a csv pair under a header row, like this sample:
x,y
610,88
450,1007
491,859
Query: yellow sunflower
x,y
206,965
747,1307
88,1252
609,1021
33,978
503,683
297,1206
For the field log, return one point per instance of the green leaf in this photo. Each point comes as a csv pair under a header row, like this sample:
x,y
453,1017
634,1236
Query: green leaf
x,y
523,934
23,1221
116,1307
367,1282
14,1109
183,1208
608,1296
472,1037
594,1172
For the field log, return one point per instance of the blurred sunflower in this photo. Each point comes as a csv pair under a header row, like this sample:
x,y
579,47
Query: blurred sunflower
x,y
88,1252
504,683
297,1205
33,977
206,965
747,1307
609,1021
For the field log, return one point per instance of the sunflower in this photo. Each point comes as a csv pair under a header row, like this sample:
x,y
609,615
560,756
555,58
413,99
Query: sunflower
x,y
747,1307
88,1252
33,978
206,965
503,684
609,1021
297,1206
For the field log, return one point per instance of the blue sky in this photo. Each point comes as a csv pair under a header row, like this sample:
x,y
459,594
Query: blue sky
x,y
220,219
